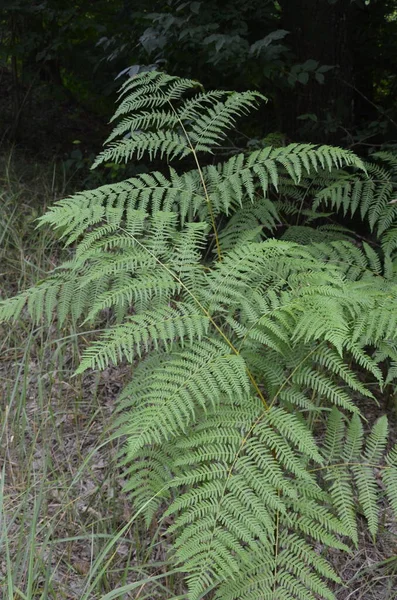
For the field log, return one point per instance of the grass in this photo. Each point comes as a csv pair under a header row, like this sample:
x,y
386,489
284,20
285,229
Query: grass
x,y
67,531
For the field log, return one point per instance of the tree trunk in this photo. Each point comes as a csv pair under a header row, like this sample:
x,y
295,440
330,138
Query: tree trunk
x,y
320,30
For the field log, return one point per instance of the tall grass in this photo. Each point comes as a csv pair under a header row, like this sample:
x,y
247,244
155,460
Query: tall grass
x,y
66,530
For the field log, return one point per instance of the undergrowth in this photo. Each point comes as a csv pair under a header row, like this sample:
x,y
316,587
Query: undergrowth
x,y
67,532
260,331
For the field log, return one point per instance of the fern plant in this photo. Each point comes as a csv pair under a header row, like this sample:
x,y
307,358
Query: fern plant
x,y
248,313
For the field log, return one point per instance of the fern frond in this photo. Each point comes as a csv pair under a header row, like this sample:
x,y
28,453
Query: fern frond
x,y
390,478
125,203
42,299
148,477
229,183
151,90
162,327
189,380
334,435
343,500
302,234
242,416
371,194
236,499
367,495
387,157
209,128
352,470
156,144
173,127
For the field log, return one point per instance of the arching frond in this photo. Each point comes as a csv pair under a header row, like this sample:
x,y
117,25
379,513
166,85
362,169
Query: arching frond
x,y
255,325
173,126
243,504
162,327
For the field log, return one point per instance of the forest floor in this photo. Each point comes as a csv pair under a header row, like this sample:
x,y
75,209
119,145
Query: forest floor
x,y
67,530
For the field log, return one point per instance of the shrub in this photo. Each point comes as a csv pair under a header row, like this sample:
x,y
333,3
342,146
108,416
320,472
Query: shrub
x,y
252,320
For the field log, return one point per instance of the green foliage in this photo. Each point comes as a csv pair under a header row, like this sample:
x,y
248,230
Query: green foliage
x,y
50,49
200,123
249,351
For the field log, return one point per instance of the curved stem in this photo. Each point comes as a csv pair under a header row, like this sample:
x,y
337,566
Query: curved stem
x,y
201,174
205,311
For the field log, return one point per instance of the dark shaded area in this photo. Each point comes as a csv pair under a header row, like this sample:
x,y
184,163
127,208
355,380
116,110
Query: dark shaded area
x,y
327,66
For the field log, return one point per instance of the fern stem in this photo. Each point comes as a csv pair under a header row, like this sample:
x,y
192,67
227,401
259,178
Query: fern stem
x,y
282,386
201,174
205,311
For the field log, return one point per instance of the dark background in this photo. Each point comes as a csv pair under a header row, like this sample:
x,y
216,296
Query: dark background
x,y
328,67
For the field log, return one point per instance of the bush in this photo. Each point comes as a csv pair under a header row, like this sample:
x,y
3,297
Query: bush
x,y
252,319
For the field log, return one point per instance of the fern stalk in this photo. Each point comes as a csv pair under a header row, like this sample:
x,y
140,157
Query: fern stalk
x,y
200,172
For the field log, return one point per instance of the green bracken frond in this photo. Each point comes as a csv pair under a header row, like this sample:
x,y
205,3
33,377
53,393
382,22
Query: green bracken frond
x,y
173,126
352,469
155,328
255,325
243,496
188,380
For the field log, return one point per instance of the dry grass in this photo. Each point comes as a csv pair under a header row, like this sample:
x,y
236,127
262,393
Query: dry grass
x,y
66,529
